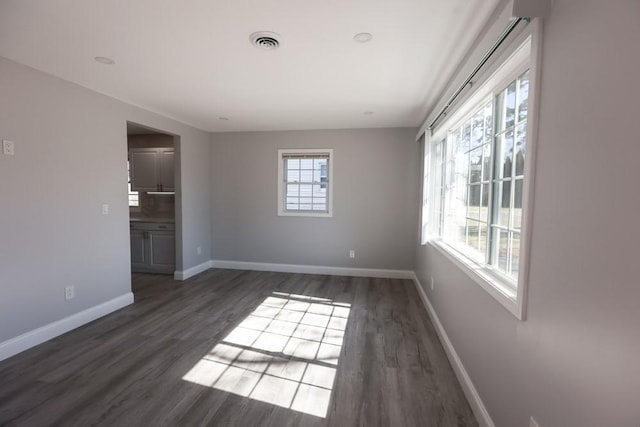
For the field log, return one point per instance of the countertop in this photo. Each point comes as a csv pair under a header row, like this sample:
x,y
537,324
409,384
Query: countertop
x,y
151,219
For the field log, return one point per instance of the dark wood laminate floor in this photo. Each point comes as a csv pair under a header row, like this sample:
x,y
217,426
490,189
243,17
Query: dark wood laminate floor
x,y
243,348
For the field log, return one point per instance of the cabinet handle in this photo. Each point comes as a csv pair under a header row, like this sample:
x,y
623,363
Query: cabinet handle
x,y
160,187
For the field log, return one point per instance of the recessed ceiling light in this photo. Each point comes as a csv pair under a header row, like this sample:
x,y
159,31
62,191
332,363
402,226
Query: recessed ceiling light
x,y
368,113
224,119
265,40
104,60
363,37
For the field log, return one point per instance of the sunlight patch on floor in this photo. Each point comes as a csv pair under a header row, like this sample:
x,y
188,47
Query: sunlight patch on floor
x,y
284,353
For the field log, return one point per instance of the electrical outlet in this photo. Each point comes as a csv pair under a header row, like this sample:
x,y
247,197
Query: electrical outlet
x,y
105,209
533,423
69,292
199,250
352,253
433,283
8,147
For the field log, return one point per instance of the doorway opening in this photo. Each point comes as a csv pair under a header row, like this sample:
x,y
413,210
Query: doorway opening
x,y
153,187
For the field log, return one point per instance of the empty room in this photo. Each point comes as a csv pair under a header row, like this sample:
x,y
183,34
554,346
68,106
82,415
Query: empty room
x,y
297,213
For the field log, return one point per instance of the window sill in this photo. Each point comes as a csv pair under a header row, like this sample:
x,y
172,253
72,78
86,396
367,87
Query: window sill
x,y
499,288
306,214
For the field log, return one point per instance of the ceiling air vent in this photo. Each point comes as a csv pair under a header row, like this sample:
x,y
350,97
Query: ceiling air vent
x,y
264,40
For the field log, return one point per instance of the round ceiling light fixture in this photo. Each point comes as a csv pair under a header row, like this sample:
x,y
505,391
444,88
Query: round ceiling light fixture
x,y
363,37
104,60
224,119
265,40
368,113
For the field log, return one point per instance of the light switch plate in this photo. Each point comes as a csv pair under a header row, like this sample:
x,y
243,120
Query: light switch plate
x,y
8,147
105,209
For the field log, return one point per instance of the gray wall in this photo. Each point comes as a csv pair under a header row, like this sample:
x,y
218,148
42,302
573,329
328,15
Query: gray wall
x,y
574,361
71,151
374,190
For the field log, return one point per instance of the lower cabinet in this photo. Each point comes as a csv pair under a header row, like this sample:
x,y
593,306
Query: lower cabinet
x,y
153,247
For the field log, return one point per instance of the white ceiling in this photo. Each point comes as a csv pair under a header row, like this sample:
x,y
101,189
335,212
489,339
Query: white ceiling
x,y
192,60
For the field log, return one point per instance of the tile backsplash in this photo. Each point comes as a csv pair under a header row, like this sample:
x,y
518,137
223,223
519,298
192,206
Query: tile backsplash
x,y
157,205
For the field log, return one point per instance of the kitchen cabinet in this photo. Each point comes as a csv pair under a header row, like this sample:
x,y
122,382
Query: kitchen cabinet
x,y
152,169
153,247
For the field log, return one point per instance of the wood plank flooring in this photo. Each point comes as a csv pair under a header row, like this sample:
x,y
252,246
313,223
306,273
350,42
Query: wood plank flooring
x,y
217,331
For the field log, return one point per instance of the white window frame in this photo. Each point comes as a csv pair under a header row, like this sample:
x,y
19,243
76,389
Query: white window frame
x,y
432,202
281,202
502,288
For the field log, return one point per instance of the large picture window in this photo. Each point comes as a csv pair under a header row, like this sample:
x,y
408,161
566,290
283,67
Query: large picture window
x,y
484,181
475,182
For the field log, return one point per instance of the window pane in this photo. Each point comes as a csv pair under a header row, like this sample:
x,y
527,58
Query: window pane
x,y
460,194
473,229
305,207
474,201
506,156
293,190
505,203
306,190
482,245
477,129
306,163
486,162
317,207
503,249
293,175
484,205
459,232
510,115
517,205
515,255
475,165
454,137
521,143
306,175
465,140
523,96
292,163
319,190
488,123
461,170
319,163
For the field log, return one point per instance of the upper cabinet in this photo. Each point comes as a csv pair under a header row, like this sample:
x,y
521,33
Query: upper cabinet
x,y
152,169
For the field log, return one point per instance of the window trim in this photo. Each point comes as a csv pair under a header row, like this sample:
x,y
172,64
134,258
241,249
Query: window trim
x,y
501,288
282,211
132,208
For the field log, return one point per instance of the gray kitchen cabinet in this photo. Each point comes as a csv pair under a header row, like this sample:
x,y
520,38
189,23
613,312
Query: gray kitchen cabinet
x,y
152,169
153,247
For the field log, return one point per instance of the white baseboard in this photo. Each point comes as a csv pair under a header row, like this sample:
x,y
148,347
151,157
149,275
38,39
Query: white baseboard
x,y
190,272
32,338
314,269
479,410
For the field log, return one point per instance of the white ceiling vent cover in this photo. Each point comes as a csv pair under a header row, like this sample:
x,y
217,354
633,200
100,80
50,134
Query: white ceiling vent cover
x,y
265,40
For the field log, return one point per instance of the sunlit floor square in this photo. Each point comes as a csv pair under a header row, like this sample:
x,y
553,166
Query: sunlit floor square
x,y
284,353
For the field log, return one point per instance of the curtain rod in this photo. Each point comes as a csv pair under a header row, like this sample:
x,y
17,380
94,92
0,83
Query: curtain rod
x,y
478,67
